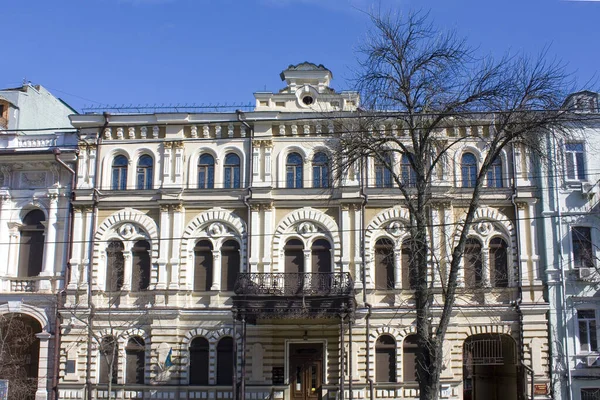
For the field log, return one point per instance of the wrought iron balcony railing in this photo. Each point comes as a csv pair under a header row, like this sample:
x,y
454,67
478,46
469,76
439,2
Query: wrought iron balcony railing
x,y
294,284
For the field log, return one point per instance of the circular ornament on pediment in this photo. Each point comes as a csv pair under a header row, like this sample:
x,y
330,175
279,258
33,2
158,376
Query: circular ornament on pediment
x,y
216,229
306,229
484,228
395,228
127,230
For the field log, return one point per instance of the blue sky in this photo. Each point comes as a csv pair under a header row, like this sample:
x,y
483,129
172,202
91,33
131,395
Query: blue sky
x,y
221,51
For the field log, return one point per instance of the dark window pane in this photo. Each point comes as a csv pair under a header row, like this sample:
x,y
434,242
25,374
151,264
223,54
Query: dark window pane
x,y
583,254
230,264
409,358
473,263
385,359
203,266
384,264
140,277
225,361
135,356
199,362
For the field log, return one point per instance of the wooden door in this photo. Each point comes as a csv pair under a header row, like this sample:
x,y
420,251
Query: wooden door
x,y
306,372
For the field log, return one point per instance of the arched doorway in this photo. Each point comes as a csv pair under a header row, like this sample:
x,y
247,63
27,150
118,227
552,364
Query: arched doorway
x,y
490,367
19,352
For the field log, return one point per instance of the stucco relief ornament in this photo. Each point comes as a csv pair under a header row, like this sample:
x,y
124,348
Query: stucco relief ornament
x,y
306,229
395,228
127,231
484,228
216,229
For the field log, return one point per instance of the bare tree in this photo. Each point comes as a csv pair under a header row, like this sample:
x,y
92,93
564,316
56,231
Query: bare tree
x,y
18,354
426,82
105,321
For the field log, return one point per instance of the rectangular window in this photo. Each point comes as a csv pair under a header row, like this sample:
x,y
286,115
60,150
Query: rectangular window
x,y
583,253
574,159
588,339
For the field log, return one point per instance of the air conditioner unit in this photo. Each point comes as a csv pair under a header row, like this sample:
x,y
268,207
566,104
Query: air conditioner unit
x,y
591,361
586,273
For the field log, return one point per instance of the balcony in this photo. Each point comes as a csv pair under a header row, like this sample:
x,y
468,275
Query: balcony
x,y
293,295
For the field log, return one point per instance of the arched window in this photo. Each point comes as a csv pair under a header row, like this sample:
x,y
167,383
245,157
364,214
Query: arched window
x,y
199,361
385,359
294,266
494,175
409,177
473,263
384,264
383,175
119,173
203,266
135,360
225,361
206,172
293,171
499,262
321,256
409,358
31,248
468,168
409,267
115,266
230,264
20,353
144,172
140,275
320,170
109,360
294,256
232,171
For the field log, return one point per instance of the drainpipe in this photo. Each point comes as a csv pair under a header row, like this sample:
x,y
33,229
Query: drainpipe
x,y
519,300
368,354
350,378
365,198
59,295
247,197
88,368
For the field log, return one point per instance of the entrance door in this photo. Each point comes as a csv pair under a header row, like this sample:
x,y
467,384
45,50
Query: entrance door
x,y
306,363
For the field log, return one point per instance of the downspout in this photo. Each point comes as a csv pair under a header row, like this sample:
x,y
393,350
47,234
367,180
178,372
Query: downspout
x,y
247,197
365,199
518,252
368,354
59,295
563,292
88,368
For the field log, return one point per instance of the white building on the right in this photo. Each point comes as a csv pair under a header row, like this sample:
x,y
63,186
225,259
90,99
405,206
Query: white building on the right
x,y
570,215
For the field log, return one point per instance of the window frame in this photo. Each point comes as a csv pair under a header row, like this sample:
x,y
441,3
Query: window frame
x,y
585,243
495,178
383,175
320,169
135,350
391,349
294,171
232,170
407,172
208,169
575,167
119,172
144,173
591,331
468,171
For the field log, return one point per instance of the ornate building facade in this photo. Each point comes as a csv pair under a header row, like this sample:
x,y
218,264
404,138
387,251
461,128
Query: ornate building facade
x,y
37,155
214,251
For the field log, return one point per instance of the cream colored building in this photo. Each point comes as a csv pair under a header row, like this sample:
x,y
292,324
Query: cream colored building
x,y
213,249
37,157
